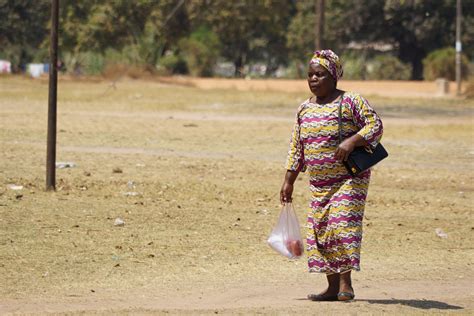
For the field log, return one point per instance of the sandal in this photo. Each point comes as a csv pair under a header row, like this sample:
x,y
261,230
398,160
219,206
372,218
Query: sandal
x,y
322,298
345,296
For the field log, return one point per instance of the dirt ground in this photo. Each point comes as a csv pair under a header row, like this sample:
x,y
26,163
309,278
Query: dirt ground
x,y
384,88
194,172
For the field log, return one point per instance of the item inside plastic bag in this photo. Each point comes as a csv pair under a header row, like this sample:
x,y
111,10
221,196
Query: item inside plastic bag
x,y
285,238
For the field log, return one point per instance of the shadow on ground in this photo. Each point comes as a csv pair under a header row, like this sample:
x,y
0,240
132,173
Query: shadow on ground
x,y
423,304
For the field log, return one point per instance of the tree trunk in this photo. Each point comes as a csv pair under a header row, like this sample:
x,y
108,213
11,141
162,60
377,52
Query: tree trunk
x,y
238,64
417,68
319,25
413,54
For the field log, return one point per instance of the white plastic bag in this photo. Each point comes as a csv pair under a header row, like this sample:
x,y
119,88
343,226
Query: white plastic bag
x,y
286,237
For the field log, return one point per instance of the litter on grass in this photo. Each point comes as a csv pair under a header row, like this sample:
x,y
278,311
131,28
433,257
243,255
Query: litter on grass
x,y
14,187
131,193
119,222
440,233
63,165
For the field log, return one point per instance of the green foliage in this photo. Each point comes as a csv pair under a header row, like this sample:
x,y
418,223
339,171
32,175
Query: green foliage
x,y
269,32
140,30
441,64
355,66
345,21
415,27
94,63
114,56
296,70
88,63
200,51
386,67
17,55
300,35
171,63
23,27
249,31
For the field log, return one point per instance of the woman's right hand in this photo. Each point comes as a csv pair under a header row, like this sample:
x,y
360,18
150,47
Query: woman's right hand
x,y
286,192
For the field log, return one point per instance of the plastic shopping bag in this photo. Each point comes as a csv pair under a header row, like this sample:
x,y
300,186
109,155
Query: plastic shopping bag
x,y
286,237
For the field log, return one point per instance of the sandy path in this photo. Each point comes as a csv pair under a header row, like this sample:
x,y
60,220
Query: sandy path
x,y
424,89
392,297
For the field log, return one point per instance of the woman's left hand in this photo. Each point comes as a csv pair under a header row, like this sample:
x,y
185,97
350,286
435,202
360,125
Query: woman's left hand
x,y
344,149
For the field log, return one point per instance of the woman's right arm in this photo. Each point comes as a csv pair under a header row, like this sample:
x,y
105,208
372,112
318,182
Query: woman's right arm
x,y
286,191
294,161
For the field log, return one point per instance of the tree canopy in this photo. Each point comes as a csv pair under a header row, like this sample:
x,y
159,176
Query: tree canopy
x,y
201,32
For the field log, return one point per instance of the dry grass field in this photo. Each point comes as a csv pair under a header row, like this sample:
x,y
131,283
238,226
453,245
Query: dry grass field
x,y
195,174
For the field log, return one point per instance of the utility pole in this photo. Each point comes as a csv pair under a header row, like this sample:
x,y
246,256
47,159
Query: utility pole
x,y
458,47
52,99
319,26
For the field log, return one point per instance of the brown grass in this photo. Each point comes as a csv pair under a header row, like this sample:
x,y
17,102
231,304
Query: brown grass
x,y
469,92
207,167
399,89
118,71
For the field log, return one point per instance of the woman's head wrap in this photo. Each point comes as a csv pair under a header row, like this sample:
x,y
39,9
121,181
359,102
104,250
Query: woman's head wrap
x,y
329,60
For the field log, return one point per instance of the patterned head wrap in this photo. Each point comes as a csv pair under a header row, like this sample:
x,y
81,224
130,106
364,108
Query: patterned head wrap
x,y
329,60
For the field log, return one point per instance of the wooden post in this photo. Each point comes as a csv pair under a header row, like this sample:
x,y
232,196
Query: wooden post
x,y
52,99
458,47
319,25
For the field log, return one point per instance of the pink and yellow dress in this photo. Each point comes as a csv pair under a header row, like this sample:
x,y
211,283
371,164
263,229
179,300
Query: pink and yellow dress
x,y
334,224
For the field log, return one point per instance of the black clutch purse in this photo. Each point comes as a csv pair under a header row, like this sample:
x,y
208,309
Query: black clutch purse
x,y
361,158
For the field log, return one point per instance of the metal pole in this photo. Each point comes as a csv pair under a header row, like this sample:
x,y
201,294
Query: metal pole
x,y
458,47
319,26
52,99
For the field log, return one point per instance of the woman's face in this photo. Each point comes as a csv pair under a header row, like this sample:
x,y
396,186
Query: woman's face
x,y
320,81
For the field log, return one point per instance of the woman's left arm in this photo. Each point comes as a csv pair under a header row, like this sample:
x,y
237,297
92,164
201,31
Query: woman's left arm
x,y
370,128
370,124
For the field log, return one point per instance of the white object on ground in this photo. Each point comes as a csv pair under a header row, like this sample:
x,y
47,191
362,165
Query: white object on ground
x,y
131,193
440,233
119,222
15,187
63,165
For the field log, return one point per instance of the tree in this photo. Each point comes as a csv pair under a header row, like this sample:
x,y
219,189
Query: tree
x,y
146,27
419,27
200,50
413,27
22,29
345,21
249,31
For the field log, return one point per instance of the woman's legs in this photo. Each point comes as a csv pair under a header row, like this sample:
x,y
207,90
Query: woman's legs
x,y
333,283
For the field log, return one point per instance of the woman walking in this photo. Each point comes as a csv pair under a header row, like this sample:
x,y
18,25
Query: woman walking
x,y
334,224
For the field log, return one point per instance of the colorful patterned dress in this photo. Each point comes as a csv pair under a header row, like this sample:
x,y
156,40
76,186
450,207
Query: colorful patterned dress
x,y
334,225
